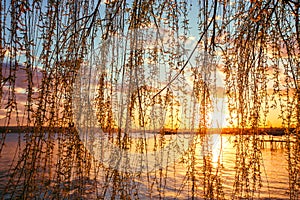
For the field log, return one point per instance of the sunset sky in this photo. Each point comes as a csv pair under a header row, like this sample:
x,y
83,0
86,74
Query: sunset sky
x,y
221,115
274,103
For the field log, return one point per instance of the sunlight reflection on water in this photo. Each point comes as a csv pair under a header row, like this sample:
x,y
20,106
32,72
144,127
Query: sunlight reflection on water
x,y
274,171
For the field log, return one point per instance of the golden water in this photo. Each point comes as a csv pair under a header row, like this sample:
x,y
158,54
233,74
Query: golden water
x,y
174,181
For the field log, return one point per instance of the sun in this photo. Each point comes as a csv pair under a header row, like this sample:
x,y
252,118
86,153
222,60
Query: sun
x,y
218,118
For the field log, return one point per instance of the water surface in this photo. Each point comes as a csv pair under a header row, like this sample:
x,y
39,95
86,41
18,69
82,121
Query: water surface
x,y
176,182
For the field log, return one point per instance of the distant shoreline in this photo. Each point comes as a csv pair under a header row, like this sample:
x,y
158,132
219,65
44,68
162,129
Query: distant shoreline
x,y
261,131
27,129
